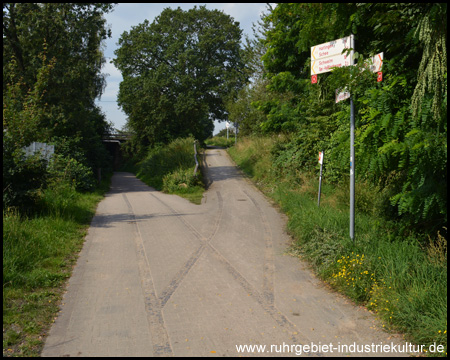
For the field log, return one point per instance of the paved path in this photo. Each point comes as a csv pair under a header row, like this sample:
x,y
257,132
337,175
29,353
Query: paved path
x,y
159,276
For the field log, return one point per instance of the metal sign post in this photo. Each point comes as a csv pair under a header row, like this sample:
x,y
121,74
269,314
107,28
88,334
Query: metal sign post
x,y
352,156
320,176
325,57
352,170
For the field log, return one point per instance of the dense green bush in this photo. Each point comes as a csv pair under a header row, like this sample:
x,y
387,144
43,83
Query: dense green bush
x,y
71,171
22,179
179,179
51,77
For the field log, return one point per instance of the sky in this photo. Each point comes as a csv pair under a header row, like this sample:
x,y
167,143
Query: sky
x,y
125,16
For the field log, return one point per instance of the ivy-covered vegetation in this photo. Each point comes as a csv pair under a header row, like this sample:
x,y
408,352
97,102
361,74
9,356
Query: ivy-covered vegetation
x,y
401,122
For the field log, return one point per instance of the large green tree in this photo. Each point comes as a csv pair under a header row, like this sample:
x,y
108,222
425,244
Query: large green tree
x,y
178,72
70,36
52,61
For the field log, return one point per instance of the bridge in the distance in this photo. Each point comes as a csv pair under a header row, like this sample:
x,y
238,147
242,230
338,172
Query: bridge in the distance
x,y
116,136
113,142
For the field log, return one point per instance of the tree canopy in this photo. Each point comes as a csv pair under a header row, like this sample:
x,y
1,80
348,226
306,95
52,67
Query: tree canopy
x,y
52,59
70,37
178,72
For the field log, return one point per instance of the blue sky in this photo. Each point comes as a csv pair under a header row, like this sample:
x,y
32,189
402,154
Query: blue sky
x,y
127,15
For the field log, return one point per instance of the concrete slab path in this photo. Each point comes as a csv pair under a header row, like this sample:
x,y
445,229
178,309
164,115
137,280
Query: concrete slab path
x,y
159,276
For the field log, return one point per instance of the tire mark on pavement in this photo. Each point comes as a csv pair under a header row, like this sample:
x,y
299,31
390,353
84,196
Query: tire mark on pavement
x,y
181,274
261,299
180,217
159,335
269,267
264,299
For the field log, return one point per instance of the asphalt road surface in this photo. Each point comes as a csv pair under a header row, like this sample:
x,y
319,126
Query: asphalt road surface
x,y
159,276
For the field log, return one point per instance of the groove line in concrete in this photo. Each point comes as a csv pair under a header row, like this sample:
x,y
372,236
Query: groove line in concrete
x,y
182,273
269,267
160,338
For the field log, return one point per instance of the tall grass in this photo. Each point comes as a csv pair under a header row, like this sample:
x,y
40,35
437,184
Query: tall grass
x,y
220,141
170,168
38,253
402,279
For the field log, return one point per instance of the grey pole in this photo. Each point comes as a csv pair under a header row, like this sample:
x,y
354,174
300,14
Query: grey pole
x,y
352,157
320,181
352,170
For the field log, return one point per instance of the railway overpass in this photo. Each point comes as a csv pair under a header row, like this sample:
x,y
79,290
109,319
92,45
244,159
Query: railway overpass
x,y
113,142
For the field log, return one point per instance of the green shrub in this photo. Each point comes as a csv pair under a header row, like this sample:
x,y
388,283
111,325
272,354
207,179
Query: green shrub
x,y
178,180
22,179
221,141
71,171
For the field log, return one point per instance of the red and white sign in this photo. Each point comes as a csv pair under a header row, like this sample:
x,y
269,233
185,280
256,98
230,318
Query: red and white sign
x,y
380,76
341,95
320,157
327,56
331,48
377,62
314,79
328,64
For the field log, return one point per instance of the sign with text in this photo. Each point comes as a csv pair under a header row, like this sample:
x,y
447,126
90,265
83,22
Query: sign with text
x,y
328,64
376,62
342,95
326,56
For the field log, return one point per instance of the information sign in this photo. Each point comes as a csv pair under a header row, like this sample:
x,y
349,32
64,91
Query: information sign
x,y
328,64
327,56
331,48
376,63
320,157
341,95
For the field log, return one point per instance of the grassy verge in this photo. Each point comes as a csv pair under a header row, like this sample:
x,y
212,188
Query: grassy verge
x,y
171,169
402,280
38,256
